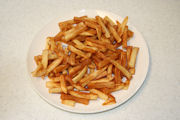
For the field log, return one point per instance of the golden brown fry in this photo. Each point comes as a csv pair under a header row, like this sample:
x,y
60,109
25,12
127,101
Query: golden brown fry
x,y
103,80
63,84
76,99
45,58
84,95
114,33
54,64
91,76
72,59
98,85
72,33
60,68
122,26
51,84
124,38
103,74
100,47
68,102
80,75
115,63
132,60
107,19
77,51
59,90
104,29
109,71
99,93
132,71
110,101
79,67
83,47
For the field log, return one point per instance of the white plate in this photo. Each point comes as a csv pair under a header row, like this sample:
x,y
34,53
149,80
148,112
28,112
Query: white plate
x,y
51,29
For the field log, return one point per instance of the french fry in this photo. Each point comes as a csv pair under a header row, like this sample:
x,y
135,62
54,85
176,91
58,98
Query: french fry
x,y
102,80
110,101
114,33
115,63
76,99
90,77
78,52
84,95
124,38
102,43
109,71
45,58
77,68
132,71
98,85
58,90
83,47
68,102
72,59
122,26
103,74
62,25
106,18
80,75
104,29
90,32
72,33
54,64
126,86
99,93
51,84
100,47
63,84
60,68
132,60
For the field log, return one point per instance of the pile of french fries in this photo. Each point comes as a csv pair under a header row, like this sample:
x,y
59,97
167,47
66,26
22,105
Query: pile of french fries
x,y
96,62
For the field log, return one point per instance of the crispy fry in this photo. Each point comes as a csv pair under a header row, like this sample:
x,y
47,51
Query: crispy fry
x,y
45,58
124,38
90,77
114,33
76,99
121,68
109,71
101,85
105,30
103,74
106,18
84,95
102,80
79,67
99,93
72,33
59,90
80,75
132,60
63,84
122,26
51,84
60,68
68,102
54,64
83,47
78,52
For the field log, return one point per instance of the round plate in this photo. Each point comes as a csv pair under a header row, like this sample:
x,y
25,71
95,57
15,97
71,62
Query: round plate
x,y
94,106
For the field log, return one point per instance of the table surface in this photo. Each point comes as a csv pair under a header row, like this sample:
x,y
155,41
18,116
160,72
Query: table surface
x,y
158,21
